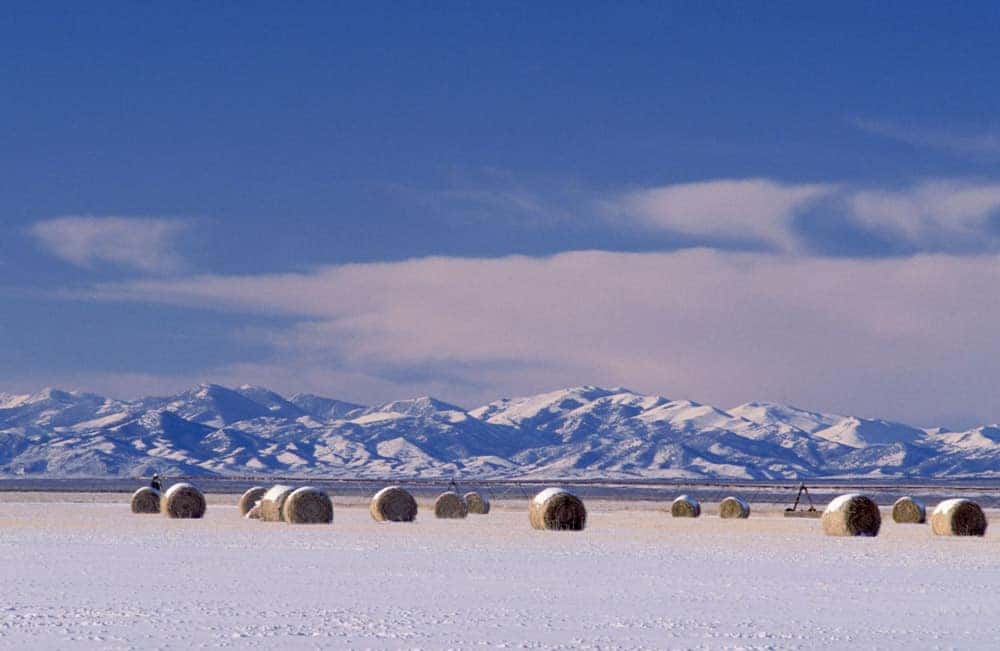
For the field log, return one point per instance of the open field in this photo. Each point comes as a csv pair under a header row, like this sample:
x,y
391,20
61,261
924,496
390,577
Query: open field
x,y
80,569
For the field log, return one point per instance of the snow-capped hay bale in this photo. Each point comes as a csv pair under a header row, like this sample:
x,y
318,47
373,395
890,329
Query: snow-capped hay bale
x,y
249,498
146,500
477,503
557,509
393,504
852,515
909,510
685,506
272,501
450,505
254,512
183,501
734,507
308,505
958,517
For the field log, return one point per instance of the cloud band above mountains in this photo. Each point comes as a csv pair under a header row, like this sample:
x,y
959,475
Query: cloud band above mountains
x,y
892,337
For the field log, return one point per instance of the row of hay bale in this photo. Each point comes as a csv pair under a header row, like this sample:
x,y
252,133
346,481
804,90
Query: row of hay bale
x,y
182,500
309,505
551,509
395,504
731,507
559,510
859,515
281,503
451,505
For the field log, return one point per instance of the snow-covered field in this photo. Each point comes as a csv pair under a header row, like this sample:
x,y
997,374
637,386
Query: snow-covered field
x,y
89,574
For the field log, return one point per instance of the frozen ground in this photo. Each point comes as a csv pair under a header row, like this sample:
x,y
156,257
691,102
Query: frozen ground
x,y
89,574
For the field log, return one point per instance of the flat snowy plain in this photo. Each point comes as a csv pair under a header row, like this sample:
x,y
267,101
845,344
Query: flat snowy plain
x,y
83,572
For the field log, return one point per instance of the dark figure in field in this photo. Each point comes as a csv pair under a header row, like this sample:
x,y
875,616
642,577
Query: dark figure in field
x,y
155,484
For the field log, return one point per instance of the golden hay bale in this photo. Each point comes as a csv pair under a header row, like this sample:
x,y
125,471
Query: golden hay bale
x,y
393,504
477,503
852,515
909,510
685,506
249,498
272,501
734,507
183,501
557,509
146,500
308,505
450,505
958,517
254,512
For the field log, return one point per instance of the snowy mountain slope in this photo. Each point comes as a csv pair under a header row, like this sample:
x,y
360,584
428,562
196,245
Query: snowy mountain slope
x,y
325,408
581,431
276,404
766,413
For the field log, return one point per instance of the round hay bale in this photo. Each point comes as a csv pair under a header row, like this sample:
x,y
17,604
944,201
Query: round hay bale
x,y
852,515
308,505
685,506
183,501
477,503
393,504
556,509
272,501
254,512
146,500
249,498
909,510
958,517
734,507
450,505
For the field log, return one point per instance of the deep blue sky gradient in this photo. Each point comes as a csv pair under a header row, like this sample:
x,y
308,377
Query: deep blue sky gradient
x,y
313,126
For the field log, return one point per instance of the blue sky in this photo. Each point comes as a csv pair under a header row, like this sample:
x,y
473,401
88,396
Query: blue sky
x,y
786,203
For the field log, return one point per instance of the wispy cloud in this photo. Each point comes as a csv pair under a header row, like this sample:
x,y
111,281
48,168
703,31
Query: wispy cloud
x,y
755,208
722,327
982,143
146,245
938,215
932,216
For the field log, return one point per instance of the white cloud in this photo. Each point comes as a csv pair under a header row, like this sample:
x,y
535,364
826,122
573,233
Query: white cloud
x,y
930,216
759,209
910,338
146,245
934,215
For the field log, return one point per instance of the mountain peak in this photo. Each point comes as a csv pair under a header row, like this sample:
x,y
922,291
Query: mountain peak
x,y
215,405
325,408
50,394
422,406
770,413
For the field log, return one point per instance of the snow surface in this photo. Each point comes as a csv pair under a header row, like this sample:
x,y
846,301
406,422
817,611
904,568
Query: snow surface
x,y
94,576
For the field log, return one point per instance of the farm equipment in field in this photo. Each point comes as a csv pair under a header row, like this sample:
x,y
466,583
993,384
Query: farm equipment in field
x,y
793,511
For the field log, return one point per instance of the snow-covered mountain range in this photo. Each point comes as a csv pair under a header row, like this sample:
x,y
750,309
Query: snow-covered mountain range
x,y
577,432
